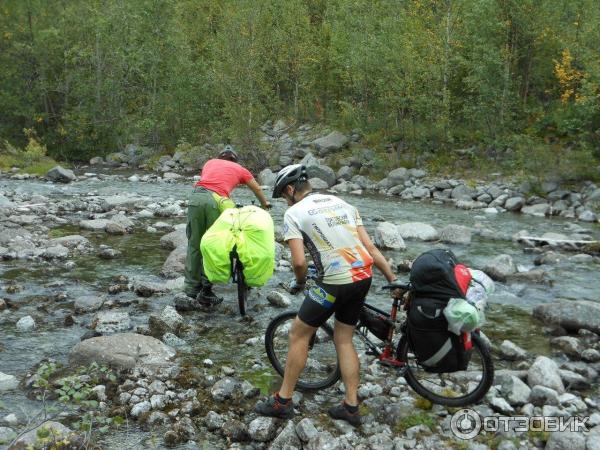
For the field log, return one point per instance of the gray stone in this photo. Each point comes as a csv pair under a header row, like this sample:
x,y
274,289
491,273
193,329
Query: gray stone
x,y
545,372
29,440
590,355
224,389
94,225
174,265
278,299
88,303
501,267
321,171
306,430
111,321
60,175
8,382
140,408
398,176
568,344
539,210
262,429
122,351
324,441
74,241
25,324
511,351
318,185
266,177
167,321
542,395
387,236
417,230
587,216
158,401
562,440
174,240
345,173
334,141
500,405
287,439
173,341
462,192
573,380
213,421
515,391
455,234
55,252
570,315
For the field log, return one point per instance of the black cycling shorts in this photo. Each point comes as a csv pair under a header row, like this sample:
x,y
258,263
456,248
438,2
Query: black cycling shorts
x,y
323,300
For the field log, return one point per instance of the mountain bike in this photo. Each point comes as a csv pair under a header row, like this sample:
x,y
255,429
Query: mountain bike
x,y
376,329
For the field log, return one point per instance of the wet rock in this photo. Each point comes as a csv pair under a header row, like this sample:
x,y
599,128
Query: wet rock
x,y
147,289
167,321
542,395
287,439
224,389
568,344
539,210
94,225
120,202
59,174
174,239
8,382
571,315
515,391
173,341
185,303
562,440
74,241
545,372
26,324
514,204
11,420
55,252
278,299
262,429
590,355
500,267
111,322
88,303
122,351
31,439
511,351
387,236
174,265
455,234
105,252
236,431
306,430
573,380
417,230
6,435
115,228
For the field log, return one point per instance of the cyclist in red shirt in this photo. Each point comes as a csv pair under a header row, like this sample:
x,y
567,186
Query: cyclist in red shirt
x,y
209,198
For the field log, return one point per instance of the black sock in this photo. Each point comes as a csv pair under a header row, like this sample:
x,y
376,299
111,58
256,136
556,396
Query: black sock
x,y
351,409
280,399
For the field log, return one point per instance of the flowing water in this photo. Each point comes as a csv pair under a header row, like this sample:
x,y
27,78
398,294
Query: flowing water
x,y
47,290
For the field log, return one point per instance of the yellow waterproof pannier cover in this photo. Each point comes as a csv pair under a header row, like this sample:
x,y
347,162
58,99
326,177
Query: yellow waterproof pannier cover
x,y
250,229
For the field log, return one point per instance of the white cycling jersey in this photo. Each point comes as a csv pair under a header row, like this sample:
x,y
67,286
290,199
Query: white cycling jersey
x,y
328,227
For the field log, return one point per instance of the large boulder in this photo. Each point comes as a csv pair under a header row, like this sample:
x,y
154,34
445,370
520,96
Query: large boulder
x,y
562,440
417,230
120,201
122,351
501,267
174,265
167,321
570,315
334,141
455,234
73,241
545,372
174,239
60,175
539,210
266,177
398,176
55,431
387,236
322,172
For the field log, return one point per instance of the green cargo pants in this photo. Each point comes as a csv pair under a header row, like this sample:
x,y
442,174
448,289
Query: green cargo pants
x,y
203,210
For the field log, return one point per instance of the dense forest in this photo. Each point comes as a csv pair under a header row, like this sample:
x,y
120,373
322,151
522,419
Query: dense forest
x,y
510,78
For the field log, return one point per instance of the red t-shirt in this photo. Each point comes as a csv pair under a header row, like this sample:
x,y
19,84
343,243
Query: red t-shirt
x,y
222,176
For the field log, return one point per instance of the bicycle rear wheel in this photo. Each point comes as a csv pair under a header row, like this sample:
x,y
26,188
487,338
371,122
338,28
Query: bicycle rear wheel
x,y
460,388
242,288
322,368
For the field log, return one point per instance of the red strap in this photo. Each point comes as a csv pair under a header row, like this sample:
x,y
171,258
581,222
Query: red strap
x,y
463,277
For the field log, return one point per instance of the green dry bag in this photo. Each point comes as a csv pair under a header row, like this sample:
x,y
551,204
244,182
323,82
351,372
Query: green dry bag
x,y
250,230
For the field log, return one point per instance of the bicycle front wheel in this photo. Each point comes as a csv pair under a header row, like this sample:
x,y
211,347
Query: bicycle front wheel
x,y
322,369
460,388
242,288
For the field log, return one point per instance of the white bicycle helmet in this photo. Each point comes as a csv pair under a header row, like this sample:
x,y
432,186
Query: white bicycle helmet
x,y
288,175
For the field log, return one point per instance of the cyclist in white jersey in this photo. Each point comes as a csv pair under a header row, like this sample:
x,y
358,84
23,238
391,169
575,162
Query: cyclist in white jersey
x,y
333,233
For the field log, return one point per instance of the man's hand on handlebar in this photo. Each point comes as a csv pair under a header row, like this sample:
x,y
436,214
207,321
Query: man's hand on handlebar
x,y
397,288
294,287
267,206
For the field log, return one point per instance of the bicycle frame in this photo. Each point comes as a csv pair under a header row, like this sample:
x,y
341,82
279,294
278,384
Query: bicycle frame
x,y
386,355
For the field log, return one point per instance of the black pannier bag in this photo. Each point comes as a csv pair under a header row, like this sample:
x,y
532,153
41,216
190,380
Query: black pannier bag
x,y
375,323
436,277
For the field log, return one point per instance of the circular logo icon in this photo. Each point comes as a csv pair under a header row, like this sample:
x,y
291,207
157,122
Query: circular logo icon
x,y
465,424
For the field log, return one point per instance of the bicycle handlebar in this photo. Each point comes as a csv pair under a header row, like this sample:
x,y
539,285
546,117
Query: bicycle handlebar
x,y
397,285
